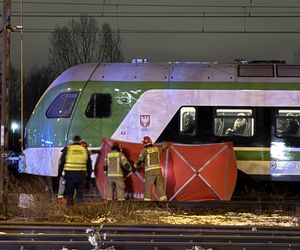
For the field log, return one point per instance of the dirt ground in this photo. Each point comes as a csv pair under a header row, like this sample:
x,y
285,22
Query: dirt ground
x,y
36,201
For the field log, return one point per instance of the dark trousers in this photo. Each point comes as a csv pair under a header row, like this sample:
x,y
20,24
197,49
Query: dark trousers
x,y
75,182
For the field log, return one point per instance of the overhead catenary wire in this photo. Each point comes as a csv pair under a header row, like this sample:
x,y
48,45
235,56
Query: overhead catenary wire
x,y
204,11
201,12
155,15
162,14
201,31
161,5
185,9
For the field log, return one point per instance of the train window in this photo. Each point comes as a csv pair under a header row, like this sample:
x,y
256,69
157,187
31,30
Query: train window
x,y
99,106
187,120
255,70
234,122
288,70
287,123
62,105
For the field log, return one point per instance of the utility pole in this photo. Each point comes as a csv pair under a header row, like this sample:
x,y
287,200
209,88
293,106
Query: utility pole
x,y
4,97
21,77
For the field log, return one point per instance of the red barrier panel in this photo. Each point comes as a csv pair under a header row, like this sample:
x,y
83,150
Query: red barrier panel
x,y
191,172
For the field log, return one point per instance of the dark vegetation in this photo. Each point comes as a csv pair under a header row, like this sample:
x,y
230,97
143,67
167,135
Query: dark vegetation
x,y
33,198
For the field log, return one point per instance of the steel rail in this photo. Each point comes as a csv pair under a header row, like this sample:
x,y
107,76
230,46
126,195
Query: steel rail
x,y
156,238
72,236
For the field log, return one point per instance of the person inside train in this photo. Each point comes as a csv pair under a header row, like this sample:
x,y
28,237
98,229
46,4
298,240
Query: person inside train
x,y
238,126
189,124
290,126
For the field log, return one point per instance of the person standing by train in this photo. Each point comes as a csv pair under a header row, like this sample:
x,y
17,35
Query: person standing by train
x,y
62,181
76,164
116,165
150,157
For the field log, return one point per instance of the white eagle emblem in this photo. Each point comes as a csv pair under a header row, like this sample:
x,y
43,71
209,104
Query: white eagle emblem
x,y
145,120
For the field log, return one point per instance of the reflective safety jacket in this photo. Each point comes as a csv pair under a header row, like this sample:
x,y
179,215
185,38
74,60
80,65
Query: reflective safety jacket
x,y
150,156
115,163
76,158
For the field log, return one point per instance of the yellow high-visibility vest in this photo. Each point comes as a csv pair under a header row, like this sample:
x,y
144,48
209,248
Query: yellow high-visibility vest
x,y
76,158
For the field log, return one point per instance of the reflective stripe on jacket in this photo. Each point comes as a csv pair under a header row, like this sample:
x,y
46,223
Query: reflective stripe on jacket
x,y
76,158
114,161
152,160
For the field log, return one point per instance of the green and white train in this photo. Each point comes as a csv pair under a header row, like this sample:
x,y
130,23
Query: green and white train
x,y
182,102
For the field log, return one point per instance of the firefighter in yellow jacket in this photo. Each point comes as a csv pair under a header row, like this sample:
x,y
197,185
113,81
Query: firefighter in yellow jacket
x,y
76,164
115,167
150,157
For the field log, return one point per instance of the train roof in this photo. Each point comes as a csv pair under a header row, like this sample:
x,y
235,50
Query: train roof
x,y
181,72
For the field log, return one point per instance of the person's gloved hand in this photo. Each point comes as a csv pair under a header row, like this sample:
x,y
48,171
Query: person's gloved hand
x,y
167,144
134,167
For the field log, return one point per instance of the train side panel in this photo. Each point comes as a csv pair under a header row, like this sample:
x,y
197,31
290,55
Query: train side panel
x,y
101,109
127,101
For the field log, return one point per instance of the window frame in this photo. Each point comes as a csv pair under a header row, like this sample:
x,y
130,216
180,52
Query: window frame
x,y
283,118
107,114
62,115
223,131
188,111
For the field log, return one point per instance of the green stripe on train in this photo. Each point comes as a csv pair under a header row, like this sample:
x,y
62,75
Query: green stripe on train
x,y
211,85
266,156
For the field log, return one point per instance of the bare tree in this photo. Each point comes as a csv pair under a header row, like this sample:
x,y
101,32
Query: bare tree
x,y
110,45
14,108
14,94
82,42
37,81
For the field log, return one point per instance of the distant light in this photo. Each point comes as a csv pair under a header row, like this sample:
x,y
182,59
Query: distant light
x,y
14,126
144,60
19,27
14,28
46,141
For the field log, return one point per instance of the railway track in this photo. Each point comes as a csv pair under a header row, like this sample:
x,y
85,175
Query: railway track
x,y
244,203
38,236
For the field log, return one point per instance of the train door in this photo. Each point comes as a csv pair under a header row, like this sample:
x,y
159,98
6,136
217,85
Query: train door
x,y
285,145
93,118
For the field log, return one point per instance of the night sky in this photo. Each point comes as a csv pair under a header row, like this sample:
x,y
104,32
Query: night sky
x,y
161,30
